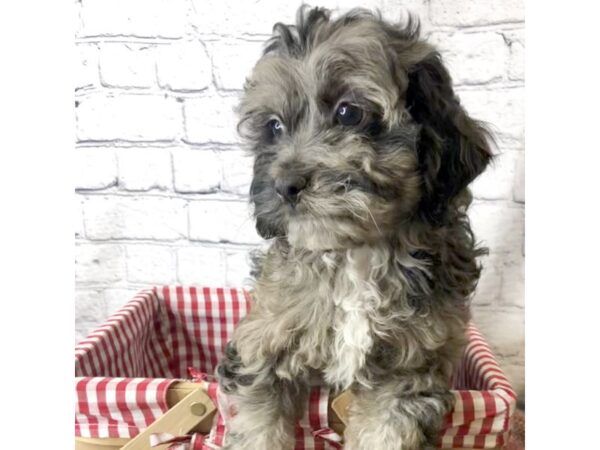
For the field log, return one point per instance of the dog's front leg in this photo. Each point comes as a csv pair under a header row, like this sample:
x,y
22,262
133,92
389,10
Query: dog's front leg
x,y
396,416
265,406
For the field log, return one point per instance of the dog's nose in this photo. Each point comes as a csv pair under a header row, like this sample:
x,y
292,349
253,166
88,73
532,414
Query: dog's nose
x,y
289,187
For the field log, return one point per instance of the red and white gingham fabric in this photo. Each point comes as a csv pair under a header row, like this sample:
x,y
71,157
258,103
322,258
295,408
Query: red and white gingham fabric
x,y
125,367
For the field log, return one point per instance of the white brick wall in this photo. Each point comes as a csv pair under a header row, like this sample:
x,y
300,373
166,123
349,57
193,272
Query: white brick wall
x,y
161,178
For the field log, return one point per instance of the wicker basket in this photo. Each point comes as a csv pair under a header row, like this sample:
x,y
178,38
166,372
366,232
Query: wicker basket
x,y
143,376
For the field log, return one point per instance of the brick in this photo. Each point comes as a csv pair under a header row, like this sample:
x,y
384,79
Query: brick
x,y
142,18
150,264
240,18
78,225
145,168
95,168
90,305
116,298
127,65
238,268
227,18
82,330
222,221
516,44
504,330
519,184
197,171
502,281
106,117
490,282
473,58
119,217
86,72
395,10
237,172
513,281
496,182
183,66
210,119
499,227
76,11
233,61
470,13
201,266
502,109
99,263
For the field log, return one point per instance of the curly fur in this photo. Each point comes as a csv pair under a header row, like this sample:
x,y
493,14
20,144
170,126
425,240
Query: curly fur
x,y
367,280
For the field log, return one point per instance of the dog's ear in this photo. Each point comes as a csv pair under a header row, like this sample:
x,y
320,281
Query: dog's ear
x,y
453,149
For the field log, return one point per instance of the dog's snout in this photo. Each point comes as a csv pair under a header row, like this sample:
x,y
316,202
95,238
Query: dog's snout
x,y
290,187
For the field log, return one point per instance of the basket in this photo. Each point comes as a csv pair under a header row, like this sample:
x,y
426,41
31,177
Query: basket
x,y
143,379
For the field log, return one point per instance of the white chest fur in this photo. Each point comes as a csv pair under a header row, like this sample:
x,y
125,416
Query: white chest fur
x,y
355,297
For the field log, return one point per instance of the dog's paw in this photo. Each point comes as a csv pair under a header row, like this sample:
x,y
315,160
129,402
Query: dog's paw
x,y
229,371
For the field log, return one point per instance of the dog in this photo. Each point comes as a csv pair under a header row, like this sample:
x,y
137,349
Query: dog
x,y
362,160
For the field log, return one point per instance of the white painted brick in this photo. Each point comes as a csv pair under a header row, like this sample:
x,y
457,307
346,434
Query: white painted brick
x,y
90,305
118,217
210,119
145,168
143,18
95,168
127,65
222,221
203,266
183,66
502,109
490,283
519,187
513,281
233,61
102,117
99,263
234,18
395,10
503,330
76,11
196,171
78,224
237,172
116,298
240,18
496,182
498,226
502,281
150,264
86,72
238,268
516,45
82,329
472,57
481,12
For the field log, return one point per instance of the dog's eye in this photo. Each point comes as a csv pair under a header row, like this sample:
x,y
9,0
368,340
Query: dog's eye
x,y
348,114
275,127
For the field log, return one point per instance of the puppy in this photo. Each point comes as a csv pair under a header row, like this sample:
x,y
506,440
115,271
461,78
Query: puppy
x,y
363,155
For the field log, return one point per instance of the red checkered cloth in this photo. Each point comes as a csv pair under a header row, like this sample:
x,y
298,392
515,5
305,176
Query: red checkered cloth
x,y
125,367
